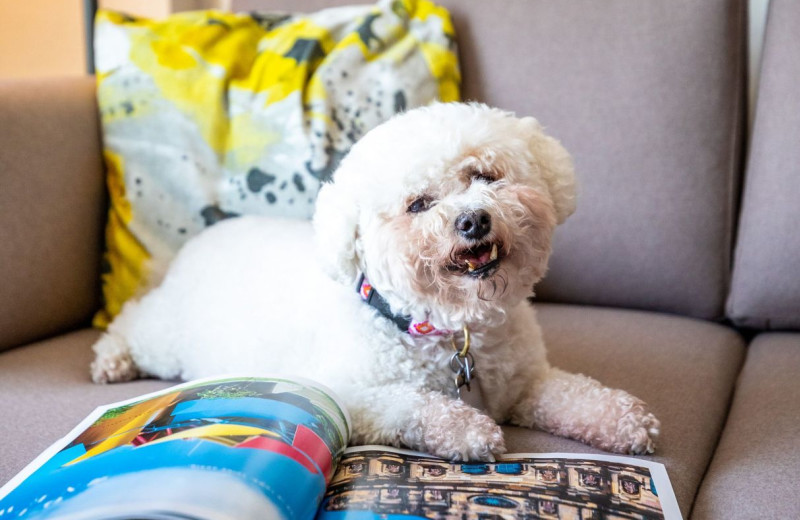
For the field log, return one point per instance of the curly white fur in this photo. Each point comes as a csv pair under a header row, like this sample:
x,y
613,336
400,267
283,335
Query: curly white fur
x,y
253,295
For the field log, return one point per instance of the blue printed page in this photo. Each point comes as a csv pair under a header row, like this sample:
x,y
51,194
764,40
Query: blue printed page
x,y
233,448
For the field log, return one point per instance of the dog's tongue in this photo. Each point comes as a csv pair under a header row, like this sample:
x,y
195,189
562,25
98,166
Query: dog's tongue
x,y
482,259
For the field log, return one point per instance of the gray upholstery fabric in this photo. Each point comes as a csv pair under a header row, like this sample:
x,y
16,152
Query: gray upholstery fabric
x,y
684,368
648,98
51,207
754,470
765,292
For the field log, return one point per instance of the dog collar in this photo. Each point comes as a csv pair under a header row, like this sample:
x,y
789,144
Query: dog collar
x,y
405,323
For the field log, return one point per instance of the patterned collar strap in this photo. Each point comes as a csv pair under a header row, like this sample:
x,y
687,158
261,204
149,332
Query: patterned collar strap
x,y
404,323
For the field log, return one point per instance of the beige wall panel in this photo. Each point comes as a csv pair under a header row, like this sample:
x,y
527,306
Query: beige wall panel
x,y
41,38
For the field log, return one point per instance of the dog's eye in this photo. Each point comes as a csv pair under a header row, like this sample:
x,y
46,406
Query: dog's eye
x,y
421,204
483,177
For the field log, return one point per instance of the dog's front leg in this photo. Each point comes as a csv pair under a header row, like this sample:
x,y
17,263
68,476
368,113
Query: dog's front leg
x,y
424,420
578,407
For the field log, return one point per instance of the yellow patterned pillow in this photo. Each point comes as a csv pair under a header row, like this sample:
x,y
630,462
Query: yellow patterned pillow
x,y
207,115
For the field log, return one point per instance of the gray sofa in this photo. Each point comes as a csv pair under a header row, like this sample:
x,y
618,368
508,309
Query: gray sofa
x,y
677,279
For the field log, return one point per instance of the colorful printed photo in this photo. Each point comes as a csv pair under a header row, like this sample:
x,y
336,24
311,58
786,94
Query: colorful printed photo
x,y
230,448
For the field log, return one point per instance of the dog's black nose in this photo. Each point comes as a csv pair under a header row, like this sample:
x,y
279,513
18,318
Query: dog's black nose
x,y
474,224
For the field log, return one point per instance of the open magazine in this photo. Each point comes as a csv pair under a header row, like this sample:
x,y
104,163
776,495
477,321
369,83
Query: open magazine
x,y
264,448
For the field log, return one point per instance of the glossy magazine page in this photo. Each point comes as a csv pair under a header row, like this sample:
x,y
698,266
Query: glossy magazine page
x,y
375,482
227,448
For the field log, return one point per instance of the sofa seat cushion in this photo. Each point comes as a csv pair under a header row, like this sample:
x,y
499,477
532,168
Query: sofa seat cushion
x,y
754,470
684,368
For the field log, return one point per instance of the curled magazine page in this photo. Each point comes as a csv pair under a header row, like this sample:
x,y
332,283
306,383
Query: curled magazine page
x,y
376,482
224,448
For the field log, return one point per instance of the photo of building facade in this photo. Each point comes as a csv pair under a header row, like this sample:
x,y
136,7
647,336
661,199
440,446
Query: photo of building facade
x,y
400,484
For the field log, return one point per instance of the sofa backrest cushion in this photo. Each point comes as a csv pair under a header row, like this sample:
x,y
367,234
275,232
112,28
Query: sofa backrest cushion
x,y
52,203
647,96
765,290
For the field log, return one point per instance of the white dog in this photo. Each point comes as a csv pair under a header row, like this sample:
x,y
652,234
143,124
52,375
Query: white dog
x,y
442,218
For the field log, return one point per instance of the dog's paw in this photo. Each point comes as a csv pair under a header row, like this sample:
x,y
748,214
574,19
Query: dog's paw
x,y
482,441
463,433
637,430
113,363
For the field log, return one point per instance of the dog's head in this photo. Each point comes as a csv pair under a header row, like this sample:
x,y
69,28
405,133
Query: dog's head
x,y
448,209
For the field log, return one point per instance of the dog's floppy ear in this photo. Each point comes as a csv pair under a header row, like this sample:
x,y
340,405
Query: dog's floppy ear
x,y
555,165
336,230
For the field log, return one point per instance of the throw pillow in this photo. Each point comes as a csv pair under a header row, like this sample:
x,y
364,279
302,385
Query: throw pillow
x,y
207,115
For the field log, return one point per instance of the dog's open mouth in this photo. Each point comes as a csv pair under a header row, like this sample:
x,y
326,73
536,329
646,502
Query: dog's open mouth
x,y
478,261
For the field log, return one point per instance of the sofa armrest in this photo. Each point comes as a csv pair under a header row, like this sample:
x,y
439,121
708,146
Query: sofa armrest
x,y
52,205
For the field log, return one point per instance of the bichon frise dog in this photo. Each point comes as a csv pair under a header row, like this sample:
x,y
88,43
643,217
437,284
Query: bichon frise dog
x,y
430,238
